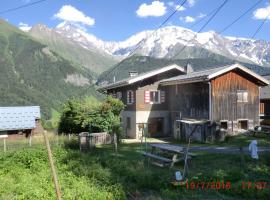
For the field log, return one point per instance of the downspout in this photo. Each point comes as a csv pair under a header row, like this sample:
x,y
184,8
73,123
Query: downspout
x,y
210,101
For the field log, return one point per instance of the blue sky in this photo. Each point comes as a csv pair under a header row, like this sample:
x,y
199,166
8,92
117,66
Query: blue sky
x,y
119,19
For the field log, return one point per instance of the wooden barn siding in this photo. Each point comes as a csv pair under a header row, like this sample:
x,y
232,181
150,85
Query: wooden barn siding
x,y
192,100
224,98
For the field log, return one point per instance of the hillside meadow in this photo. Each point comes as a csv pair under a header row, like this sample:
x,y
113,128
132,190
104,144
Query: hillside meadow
x,y
103,174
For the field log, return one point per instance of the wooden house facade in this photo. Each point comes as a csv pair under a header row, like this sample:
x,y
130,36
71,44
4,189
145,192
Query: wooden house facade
x,y
227,97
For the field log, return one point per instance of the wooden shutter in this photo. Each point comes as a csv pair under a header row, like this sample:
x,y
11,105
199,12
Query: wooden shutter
x,y
130,97
146,96
162,96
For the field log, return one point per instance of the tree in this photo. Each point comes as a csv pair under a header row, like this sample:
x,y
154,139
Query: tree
x,y
78,116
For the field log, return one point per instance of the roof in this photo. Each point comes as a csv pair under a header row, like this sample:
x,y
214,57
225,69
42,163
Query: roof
x,y
206,75
141,77
18,118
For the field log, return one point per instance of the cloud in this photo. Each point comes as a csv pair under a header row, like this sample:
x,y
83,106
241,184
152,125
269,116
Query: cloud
x,y
24,27
71,14
188,19
201,15
262,13
178,7
191,3
155,9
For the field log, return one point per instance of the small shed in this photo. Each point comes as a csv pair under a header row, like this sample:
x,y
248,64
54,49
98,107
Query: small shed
x,y
14,120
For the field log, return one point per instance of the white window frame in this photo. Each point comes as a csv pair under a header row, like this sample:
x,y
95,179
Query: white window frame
x,y
242,96
132,100
159,97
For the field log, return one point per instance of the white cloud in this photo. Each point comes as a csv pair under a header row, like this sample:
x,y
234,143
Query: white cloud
x,y
71,14
191,3
178,7
201,15
24,27
188,19
155,9
262,13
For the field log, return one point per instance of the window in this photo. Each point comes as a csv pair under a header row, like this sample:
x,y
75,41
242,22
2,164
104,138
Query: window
x,y
242,96
128,123
154,97
224,125
130,97
119,95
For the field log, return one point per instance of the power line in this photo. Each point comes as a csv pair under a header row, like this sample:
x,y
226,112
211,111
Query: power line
x,y
256,32
22,6
234,21
242,15
204,25
164,22
259,28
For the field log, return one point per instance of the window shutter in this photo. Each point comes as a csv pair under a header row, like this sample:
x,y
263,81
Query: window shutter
x,y
146,96
162,96
132,96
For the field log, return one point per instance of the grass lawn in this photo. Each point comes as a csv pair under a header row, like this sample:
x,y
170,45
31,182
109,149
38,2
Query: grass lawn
x,y
102,174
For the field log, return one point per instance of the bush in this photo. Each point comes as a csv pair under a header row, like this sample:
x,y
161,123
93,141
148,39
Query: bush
x,y
79,116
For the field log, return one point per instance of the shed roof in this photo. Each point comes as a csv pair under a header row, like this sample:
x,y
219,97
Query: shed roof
x,y
206,75
18,118
141,77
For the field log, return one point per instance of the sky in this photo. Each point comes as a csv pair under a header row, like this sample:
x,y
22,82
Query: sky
x,y
116,20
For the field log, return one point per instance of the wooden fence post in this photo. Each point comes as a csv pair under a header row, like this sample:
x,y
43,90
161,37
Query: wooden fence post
x,y
30,140
115,143
5,146
57,189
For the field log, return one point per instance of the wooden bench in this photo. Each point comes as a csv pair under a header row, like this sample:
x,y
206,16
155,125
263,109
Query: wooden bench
x,y
156,157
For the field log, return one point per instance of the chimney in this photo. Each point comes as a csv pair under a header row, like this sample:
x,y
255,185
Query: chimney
x,y
133,73
188,68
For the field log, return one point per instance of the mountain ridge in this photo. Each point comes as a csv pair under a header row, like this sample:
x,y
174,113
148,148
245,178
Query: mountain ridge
x,y
162,42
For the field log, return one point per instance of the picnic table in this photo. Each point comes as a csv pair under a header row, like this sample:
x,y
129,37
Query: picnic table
x,y
176,154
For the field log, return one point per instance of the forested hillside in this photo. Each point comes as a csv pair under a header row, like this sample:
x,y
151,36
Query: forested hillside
x,y
145,63
32,74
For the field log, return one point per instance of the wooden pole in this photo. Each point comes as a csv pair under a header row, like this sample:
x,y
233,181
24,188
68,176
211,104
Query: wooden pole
x,y
115,143
30,140
55,180
5,146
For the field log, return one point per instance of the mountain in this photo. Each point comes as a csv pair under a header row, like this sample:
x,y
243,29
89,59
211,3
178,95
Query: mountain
x,y
33,74
167,42
143,64
85,55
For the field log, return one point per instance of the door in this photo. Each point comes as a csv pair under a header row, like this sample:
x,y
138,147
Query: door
x,y
156,127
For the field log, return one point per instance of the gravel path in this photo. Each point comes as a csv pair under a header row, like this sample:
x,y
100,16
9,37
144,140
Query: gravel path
x,y
231,150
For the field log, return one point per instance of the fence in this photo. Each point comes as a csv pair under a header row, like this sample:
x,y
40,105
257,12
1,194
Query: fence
x,y
17,143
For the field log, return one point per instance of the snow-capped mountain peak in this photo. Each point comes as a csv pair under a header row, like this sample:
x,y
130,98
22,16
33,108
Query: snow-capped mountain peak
x,y
166,42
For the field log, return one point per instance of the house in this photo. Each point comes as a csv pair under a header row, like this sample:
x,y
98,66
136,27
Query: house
x,y
265,104
16,121
169,100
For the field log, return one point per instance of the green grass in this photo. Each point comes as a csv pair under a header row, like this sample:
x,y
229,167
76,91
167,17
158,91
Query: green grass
x,y
102,174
